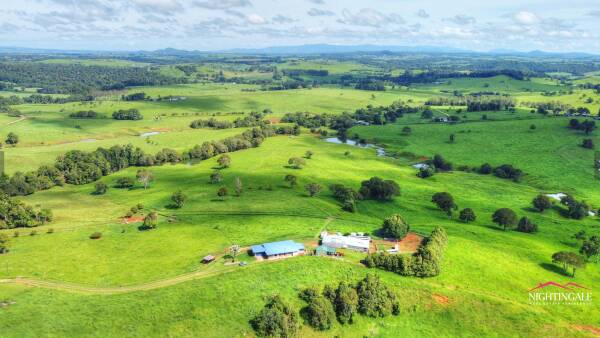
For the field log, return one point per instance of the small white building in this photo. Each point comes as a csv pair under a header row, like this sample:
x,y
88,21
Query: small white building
x,y
357,242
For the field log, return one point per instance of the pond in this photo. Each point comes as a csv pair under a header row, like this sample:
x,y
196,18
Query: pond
x,y
380,151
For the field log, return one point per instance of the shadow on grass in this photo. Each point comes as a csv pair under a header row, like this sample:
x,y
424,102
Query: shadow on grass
x,y
555,269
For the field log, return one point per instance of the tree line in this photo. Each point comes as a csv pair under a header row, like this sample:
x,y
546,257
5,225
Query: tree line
x,y
424,263
80,167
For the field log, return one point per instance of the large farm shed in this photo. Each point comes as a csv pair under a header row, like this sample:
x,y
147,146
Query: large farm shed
x,y
276,250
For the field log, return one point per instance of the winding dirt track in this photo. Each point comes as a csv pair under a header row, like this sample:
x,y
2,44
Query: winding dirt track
x,y
64,286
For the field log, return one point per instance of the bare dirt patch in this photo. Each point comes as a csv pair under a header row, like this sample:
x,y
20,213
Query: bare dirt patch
x,y
274,120
589,328
133,219
410,243
440,299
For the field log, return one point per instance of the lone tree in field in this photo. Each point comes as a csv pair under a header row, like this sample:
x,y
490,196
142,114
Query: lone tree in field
x,y
234,250
144,177
452,138
505,218
591,248
222,193
276,319
580,235
313,189
12,139
216,177
541,203
568,259
224,161
239,187
309,154
395,227
406,131
292,180
297,162
178,199
445,202
151,220
588,143
527,226
4,243
380,190
467,215
100,188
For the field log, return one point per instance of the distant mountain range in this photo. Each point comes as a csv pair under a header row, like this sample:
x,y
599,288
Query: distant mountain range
x,y
309,49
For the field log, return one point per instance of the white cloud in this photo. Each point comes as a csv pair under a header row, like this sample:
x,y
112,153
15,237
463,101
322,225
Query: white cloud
x,y
222,4
320,12
422,14
526,18
462,19
369,17
255,19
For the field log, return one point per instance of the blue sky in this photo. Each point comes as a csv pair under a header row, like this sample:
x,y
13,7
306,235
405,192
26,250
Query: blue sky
x,y
552,25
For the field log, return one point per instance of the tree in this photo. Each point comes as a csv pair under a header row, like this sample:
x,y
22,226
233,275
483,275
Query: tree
x,y
345,303
568,259
239,188
216,177
485,169
532,127
222,193
224,161
4,243
100,188
313,189
44,216
374,298
541,202
145,177
587,143
425,172
378,189
292,180
320,313
178,199
580,235
526,225
444,201
297,162
309,154
395,227
151,220
467,215
591,247
440,163
124,183
12,139
504,217
406,131
234,250
276,319
452,138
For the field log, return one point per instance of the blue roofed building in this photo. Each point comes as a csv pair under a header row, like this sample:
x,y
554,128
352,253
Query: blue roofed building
x,y
276,250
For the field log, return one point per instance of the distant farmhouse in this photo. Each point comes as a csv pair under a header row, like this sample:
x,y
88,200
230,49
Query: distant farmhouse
x,y
354,241
276,250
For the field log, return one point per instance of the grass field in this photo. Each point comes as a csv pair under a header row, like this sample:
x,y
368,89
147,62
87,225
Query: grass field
x,y
152,283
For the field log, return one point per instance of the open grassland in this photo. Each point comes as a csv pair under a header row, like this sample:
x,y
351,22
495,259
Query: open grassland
x,y
551,155
502,84
474,279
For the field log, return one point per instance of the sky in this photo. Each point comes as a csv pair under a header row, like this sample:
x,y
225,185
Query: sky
x,y
481,25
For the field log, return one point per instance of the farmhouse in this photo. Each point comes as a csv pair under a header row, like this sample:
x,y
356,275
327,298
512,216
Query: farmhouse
x,y
277,250
354,241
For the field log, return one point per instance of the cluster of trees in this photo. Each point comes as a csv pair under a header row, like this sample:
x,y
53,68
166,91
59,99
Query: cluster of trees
x,y
134,97
44,99
129,114
16,214
80,79
254,119
590,246
86,114
475,104
384,114
423,263
508,219
370,84
586,126
79,167
575,209
301,72
369,297
375,188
